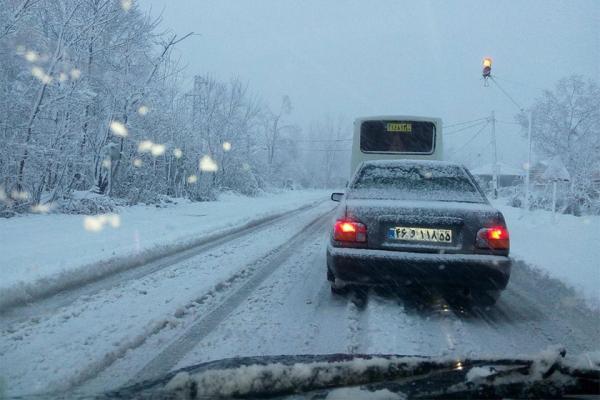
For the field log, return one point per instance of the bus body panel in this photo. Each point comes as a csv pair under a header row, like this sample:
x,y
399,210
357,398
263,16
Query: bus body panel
x,y
359,156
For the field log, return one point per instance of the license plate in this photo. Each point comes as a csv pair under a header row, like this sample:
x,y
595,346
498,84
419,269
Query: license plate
x,y
417,234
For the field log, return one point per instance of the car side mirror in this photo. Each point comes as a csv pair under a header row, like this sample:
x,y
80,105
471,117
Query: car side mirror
x,y
337,196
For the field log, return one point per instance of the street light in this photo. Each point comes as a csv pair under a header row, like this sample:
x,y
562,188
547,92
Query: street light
x,y
487,67
487,73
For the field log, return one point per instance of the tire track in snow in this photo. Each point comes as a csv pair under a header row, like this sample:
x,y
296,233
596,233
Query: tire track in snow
x,y
357,315
139,266
292,312
105,345
171,355
552,312
431,326
387,326
263,324
422,322
533,313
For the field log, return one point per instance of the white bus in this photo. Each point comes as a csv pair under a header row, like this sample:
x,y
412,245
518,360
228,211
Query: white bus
x,y
396,137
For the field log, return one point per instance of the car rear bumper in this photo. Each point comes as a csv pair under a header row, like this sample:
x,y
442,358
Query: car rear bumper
x,y
381,267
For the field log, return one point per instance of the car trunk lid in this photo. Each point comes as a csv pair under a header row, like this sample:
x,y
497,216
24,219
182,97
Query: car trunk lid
x,y
420,226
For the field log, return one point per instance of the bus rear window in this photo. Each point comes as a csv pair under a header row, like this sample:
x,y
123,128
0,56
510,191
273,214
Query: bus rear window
x,y
414,137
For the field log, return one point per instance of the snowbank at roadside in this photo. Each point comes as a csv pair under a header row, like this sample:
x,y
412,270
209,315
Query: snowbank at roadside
x,y
41,252
566,247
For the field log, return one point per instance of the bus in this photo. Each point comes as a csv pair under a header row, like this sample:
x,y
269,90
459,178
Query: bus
x,y
396,137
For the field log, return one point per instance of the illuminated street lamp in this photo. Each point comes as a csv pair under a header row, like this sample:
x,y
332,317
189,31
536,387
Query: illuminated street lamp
x,y
487,73
487,67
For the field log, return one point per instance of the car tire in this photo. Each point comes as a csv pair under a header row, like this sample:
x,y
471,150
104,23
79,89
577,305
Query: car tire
x,y
330,276
339,291
486,298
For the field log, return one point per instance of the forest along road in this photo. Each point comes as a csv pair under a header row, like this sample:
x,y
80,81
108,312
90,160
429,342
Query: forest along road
x,y
266,293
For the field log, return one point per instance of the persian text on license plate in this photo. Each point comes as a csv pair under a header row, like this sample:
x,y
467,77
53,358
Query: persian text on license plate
x,y
420,234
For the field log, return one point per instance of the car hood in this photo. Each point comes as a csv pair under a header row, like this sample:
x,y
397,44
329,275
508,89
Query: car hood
x,y
316,375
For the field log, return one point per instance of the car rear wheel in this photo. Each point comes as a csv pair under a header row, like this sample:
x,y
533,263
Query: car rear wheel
x,y
335,289
486,298
330,276
339,291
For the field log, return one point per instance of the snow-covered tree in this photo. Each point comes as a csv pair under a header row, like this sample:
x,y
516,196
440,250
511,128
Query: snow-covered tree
x,y
92,100
566,124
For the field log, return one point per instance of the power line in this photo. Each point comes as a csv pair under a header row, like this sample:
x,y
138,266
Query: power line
x,y
463,123
518,83
466,127
471,139
506,93
507,122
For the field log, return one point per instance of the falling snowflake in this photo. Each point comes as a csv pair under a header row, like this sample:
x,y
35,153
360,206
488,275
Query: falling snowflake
x,y
75,73
157,150
118,129
126,4
95,223
143,110
31,56
145,146
207,164
40,74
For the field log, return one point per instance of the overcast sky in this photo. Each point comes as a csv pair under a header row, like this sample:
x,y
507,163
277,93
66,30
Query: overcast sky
x,y
357,58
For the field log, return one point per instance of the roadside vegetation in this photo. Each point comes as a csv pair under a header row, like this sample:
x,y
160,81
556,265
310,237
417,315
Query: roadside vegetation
x,y
96,113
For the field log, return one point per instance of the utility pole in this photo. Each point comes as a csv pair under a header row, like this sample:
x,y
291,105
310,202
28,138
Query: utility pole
x,y
528,170
494,157
196,95
487,74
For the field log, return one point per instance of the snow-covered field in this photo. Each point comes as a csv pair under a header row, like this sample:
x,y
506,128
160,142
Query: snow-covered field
x,y
44,253
564,246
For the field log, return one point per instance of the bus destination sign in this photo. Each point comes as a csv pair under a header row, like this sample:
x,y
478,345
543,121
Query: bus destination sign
x,y
404,127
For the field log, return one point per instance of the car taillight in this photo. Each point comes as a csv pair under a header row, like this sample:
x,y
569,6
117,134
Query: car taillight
x,y
349,231
495,238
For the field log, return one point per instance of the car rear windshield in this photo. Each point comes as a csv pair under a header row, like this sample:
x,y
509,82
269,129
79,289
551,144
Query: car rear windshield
x,y
415,182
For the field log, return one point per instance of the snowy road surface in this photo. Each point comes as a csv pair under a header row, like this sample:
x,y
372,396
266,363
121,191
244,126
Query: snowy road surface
x,y
260,293
45,254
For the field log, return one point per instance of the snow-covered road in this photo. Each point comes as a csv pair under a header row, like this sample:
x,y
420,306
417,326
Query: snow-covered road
x,y
265,293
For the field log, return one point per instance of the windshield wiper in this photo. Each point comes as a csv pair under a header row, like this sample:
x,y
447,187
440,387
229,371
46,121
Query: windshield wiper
x,y
549,375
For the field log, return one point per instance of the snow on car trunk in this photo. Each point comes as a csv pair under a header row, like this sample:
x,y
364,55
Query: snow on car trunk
x,y
382,215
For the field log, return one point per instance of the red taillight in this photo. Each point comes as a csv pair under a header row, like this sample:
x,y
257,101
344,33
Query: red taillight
x,y
349,231
495,238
